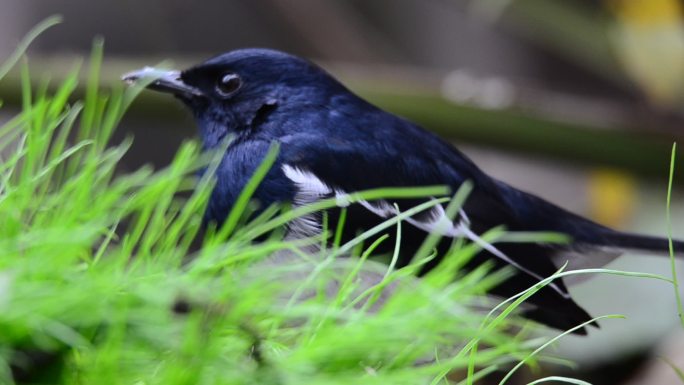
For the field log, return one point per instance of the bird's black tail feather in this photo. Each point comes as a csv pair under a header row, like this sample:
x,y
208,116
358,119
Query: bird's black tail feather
x,y
645,243
538,214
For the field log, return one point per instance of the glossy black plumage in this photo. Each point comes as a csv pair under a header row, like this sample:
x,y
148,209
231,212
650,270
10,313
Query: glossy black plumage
x,y
334,142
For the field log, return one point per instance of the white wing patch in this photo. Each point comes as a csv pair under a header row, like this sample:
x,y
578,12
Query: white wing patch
x,y
438,222
310,189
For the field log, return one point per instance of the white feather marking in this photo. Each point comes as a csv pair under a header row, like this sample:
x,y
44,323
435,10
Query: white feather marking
x,y
380,208
440,223
310,189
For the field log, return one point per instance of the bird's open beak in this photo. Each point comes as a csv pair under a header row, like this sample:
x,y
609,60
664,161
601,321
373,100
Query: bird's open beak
x,y
161,80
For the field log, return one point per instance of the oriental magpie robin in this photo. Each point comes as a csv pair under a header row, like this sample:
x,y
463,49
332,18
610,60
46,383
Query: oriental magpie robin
x,y
333,143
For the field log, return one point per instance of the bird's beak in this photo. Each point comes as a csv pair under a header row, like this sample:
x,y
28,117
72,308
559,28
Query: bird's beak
x,y
161,80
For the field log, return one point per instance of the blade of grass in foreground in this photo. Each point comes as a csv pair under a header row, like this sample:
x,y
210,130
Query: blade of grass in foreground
x,y
673,264
566,380
26,42
551,341
678,371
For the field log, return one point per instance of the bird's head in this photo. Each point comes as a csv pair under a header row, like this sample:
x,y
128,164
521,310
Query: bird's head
x,y
231,92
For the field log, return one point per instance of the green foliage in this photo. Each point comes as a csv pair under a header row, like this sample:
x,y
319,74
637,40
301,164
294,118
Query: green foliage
x,y
679,372
97,272
675,281
100,283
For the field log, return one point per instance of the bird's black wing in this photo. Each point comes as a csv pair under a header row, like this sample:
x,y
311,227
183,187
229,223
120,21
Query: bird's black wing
x,y
341,165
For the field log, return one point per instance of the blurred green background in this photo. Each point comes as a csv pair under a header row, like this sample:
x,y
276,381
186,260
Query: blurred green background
x,y
578,101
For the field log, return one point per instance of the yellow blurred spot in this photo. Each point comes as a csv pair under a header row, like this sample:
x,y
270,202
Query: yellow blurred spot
x,y
648,37
612,197
647,11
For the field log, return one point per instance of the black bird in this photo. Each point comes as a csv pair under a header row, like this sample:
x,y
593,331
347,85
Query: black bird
x,y
332,142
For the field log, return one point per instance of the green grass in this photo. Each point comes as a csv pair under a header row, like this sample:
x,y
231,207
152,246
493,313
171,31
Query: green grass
x,y
675,281
99,282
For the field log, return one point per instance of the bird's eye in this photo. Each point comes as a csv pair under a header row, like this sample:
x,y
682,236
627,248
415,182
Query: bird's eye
x,y
228,84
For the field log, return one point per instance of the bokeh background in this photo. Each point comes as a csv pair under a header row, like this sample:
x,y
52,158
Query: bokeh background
x,y
578,101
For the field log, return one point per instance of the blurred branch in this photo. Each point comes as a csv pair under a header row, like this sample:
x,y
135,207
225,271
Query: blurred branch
x,y
639,152
571,29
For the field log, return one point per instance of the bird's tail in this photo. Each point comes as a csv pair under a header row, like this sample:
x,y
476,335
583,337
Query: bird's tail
x,y
637,242
542,215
